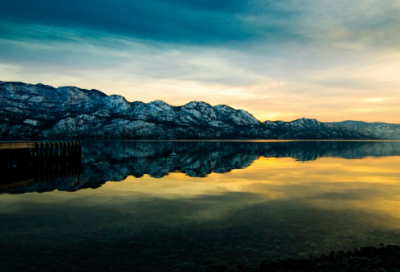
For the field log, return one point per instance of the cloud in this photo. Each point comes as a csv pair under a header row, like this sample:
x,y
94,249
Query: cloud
x,y
277,60
168,21
345,22
376,100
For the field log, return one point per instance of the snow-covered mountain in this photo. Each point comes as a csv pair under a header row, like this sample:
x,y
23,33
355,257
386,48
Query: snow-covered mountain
x,y
43,112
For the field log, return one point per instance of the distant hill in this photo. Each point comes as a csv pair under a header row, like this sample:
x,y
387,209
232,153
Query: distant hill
x,y
44,112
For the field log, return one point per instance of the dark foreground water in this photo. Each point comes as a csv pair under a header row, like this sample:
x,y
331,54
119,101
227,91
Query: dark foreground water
x,y
134,208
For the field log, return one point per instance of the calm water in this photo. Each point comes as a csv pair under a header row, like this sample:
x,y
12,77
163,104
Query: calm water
x,y
134,208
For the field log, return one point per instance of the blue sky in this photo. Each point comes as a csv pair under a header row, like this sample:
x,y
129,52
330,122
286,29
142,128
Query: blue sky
x,y
280,60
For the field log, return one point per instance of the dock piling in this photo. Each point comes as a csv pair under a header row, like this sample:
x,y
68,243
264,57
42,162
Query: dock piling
x,y
40,151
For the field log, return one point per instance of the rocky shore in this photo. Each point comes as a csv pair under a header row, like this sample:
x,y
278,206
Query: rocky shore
x,y
382,259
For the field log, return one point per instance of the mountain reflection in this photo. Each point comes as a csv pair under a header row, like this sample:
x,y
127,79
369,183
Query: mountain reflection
x,y
292,199
104,161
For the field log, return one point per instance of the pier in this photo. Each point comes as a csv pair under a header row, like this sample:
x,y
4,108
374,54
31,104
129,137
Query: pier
x,y
40,151
24,164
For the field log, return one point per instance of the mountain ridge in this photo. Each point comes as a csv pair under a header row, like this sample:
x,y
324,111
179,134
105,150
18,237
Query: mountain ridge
x,y
44,112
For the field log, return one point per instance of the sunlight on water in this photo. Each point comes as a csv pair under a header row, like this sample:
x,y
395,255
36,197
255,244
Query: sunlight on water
x,y
238,202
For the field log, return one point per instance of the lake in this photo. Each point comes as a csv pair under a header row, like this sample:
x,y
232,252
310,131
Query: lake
x,y
133,207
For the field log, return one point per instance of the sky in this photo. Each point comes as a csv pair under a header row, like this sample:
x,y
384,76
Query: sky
x,y
332,60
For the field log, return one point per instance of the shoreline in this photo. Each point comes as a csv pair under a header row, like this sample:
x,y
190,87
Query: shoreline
x,y
377,259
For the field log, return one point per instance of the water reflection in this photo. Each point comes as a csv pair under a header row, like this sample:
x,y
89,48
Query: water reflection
x,y
116,160
274,199
28,172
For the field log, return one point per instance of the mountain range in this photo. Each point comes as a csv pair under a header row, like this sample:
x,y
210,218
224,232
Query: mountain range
x,y
32,112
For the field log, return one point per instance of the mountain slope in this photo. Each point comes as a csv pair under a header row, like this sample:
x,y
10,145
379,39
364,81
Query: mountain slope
x,y
43,112
377,129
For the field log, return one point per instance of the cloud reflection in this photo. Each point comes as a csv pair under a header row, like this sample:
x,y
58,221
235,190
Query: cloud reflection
x,y
276,207
359,184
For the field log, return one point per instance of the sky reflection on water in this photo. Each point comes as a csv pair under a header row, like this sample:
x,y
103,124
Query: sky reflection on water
x,y
275,207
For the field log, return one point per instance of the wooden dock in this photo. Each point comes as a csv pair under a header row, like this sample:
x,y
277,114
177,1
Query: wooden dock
x,y
41,150
26,163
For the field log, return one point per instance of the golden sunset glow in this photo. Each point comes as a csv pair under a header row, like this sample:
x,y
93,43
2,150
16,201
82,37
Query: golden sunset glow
x,y
184,135
369,184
